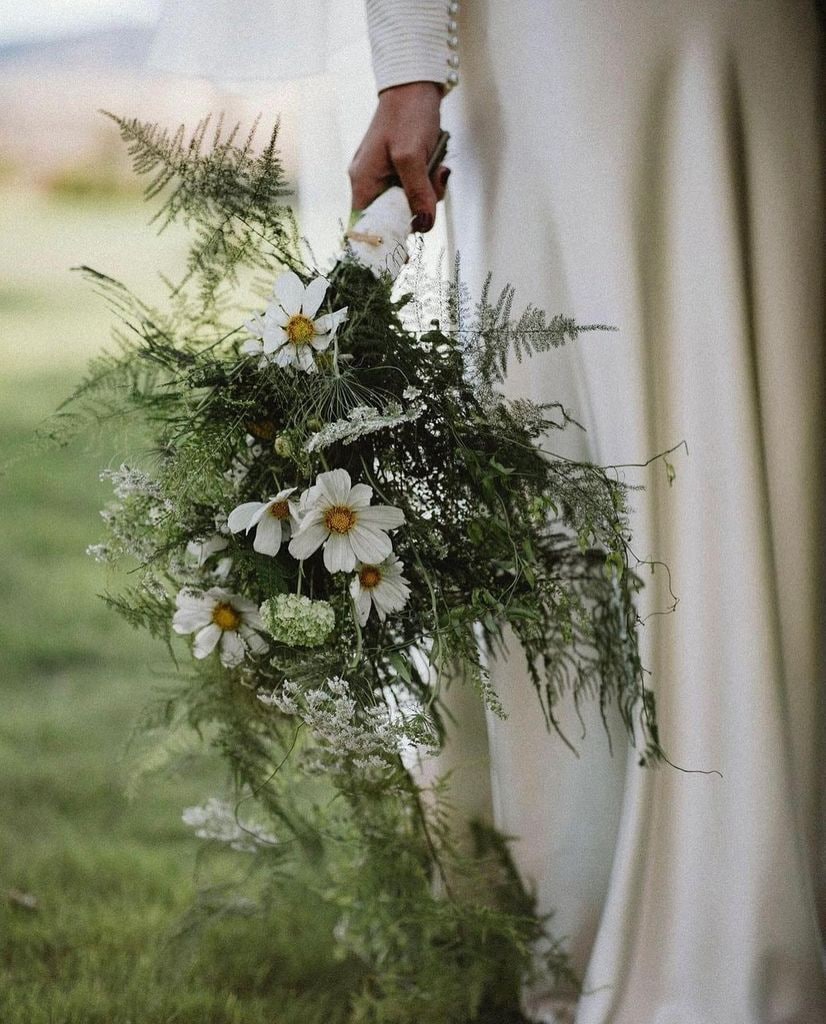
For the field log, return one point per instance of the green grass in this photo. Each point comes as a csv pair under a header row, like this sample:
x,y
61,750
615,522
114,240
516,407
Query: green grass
x,y
112,877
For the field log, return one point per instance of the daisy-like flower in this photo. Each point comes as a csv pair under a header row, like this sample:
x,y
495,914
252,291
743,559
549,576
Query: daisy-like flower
x,y
289,332
338,514
381,586
270,520
219,619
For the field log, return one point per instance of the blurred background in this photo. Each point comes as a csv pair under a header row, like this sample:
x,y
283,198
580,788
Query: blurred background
x,y
97,871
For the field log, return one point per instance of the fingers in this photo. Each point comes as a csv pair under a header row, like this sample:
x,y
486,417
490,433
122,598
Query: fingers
x,y
366,184
411,166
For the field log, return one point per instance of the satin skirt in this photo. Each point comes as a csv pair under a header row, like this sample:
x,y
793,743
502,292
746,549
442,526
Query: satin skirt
x,y
658,166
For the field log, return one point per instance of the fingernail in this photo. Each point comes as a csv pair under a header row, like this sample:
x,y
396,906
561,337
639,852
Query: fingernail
x,y
445,175
423,222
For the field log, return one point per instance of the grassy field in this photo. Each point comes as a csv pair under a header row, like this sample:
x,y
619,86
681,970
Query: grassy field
x,y
94,886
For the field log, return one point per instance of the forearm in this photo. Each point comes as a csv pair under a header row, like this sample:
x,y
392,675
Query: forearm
x,y
413,41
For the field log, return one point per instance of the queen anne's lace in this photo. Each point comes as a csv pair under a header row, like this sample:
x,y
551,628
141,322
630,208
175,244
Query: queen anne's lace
x,y
217,820
367,739
363,419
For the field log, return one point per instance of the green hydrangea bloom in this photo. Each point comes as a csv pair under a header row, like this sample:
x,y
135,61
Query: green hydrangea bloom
x,y
298,621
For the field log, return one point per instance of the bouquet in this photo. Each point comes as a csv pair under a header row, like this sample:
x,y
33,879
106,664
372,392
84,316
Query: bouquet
x,y
336,514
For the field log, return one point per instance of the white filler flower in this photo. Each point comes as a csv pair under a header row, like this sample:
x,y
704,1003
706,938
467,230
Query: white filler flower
x,y
270,520
339,515
217,820
381,586
289,331
219,619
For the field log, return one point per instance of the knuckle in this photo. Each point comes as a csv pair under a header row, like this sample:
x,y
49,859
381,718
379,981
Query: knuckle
x,y
404,157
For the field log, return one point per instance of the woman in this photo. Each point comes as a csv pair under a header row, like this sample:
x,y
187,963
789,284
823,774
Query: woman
x,y
658,166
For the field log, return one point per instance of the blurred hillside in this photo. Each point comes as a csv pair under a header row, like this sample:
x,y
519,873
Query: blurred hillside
x,y
51,91
98,874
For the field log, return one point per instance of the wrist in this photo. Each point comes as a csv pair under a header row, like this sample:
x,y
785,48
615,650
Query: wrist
x,y
406,92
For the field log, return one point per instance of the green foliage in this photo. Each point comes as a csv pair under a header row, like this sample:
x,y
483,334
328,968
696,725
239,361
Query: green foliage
x,y
502,541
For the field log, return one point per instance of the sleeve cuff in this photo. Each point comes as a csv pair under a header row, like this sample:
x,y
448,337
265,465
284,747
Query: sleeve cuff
x,y
411,41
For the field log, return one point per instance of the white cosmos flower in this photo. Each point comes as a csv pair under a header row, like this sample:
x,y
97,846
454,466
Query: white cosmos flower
x,y
219,619
339,515
270,520
381,586
289,332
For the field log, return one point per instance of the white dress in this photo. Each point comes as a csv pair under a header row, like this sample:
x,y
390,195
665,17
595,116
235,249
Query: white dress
x,y
657,165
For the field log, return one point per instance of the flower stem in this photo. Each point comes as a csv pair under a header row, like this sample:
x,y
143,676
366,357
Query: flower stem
x,y
359,636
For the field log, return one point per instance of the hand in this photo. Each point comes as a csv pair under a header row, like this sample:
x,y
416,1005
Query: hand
x,y
402,135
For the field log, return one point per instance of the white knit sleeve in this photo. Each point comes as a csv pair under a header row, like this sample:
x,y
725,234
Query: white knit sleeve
x,y
413,41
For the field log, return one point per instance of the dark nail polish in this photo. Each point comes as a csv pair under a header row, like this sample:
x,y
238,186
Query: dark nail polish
x,y
445,176
422,222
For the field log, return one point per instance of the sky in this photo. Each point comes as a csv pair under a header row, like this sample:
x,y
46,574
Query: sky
x,y
24,21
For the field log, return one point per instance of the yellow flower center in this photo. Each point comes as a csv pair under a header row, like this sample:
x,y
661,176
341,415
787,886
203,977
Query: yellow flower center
x,y
280,510
225,616
300,329
339,519
369,576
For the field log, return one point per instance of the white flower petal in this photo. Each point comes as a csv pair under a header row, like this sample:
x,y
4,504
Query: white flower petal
x,y
251,348
254,641
257,516
232,649
382,517
310,517
187,620
360,496
285,356
206,640
388,599
363,603
253,618
255,325
338,554
309,538
275,340
330,322
239,518
289,291
313,296
203,549
370,546
268,536
335,486
186,599
275,316
222,569
242,604
321,342
304,358
393,592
